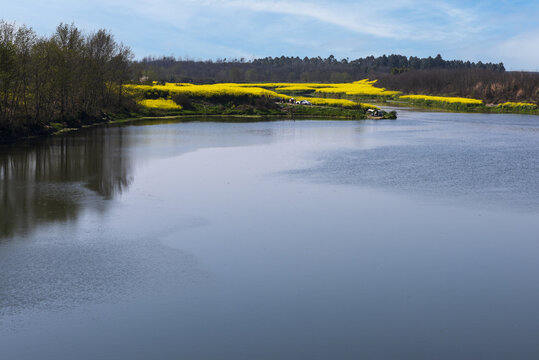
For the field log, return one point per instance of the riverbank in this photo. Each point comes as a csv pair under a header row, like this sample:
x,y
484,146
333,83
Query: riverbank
x,y
20,132
482,109
210,111
270,109
397,101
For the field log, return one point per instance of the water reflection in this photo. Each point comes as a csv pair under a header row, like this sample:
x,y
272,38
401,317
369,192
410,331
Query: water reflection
x,y
54,179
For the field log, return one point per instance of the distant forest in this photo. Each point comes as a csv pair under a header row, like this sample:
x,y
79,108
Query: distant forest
x,y
294,69
411,75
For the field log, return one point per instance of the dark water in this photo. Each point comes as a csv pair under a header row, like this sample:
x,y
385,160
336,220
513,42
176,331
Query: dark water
x,y
408,239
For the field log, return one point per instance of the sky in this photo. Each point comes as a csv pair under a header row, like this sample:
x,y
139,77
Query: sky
x,y
490,31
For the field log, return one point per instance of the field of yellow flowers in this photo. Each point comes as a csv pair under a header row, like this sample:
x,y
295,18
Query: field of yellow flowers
x,y
441,99
160,104
162,94
512,106
345,95
363,87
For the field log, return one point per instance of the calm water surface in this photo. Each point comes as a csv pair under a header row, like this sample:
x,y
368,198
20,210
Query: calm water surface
x,y
408,239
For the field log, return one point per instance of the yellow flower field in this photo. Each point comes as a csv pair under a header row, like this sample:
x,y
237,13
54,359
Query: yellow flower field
x,y
160,104
206,91
363,87
295,88
280,85
162,94
443,99
234,90
517,105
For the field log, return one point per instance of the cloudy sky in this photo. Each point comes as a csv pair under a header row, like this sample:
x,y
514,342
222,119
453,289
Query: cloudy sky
x,y
495,31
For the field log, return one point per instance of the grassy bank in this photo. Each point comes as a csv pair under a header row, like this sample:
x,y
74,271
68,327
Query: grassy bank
x,y
259,109
10,134
507,108
366,91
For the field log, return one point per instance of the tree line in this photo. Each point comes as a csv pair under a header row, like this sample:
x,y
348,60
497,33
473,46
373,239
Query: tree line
x,y
293,69
68,77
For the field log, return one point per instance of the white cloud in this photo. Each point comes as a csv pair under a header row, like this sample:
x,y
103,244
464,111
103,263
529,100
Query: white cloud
x,y
328,14
218,28
412,20
522,51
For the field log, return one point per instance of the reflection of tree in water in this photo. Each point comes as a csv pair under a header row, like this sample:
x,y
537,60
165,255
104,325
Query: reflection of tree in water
x,y
56,178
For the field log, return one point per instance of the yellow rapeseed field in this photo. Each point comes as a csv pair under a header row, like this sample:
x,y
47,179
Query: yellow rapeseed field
x,y
280,85
207,91
443,99
363,87
160,104
295,88
518,105
162,93
232,89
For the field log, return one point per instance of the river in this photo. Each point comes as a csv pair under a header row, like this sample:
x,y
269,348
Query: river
x,y
409,239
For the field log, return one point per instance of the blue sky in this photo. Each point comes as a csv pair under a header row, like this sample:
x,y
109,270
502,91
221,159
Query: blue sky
x,y
496,31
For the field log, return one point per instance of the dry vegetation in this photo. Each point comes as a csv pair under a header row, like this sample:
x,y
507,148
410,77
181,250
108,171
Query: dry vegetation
x,y
492,87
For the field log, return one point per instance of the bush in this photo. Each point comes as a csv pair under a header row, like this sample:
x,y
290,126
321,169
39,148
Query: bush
x,y
184,101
